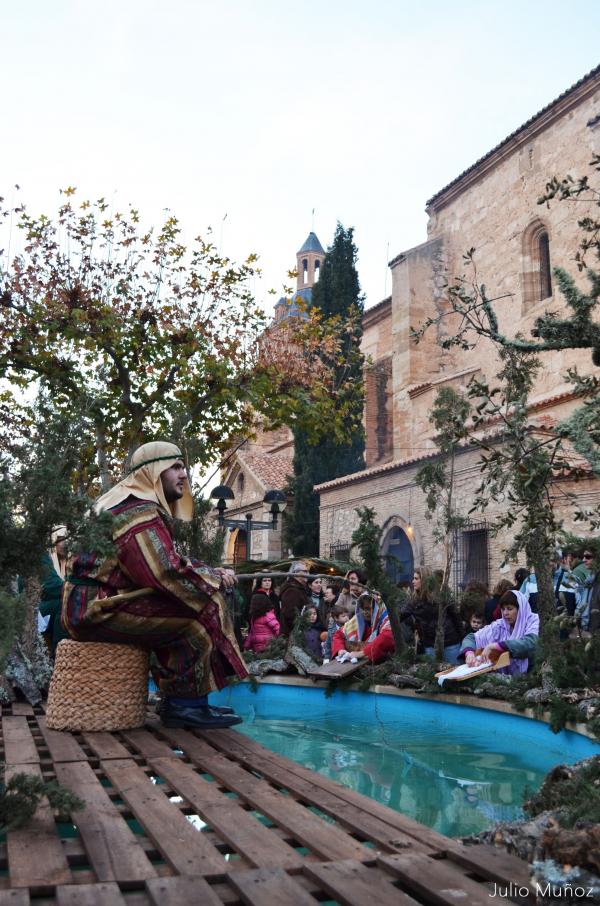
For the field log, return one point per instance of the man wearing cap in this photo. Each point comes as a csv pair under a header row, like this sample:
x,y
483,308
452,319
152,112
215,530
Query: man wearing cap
x,y
146,594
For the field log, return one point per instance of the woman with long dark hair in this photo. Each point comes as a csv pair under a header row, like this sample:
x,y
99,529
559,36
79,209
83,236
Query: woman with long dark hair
x,y
264,586
424,608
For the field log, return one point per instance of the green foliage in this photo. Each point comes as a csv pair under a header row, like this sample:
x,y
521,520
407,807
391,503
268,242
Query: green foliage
x,y
574,793
449,416
41,487
366,538
22,795
338,299
147,336
12,615
276,649
199,538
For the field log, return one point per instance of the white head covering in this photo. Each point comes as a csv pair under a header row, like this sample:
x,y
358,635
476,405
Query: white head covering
x,y
143,481
59,533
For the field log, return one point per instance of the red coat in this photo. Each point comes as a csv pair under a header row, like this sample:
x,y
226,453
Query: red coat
x,y
377,650
262,631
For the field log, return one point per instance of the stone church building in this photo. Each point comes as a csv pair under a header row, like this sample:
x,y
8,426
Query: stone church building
x,y
492,207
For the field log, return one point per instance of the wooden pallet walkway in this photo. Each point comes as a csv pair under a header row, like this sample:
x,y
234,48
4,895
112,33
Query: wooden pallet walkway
x,y
174,816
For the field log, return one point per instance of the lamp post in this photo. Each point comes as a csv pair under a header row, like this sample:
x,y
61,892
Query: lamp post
x,y
276,499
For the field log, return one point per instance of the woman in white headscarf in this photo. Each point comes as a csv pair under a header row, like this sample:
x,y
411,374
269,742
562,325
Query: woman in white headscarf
x,y
52,579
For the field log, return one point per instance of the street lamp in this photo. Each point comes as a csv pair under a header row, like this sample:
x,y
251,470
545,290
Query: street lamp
x,y
276,499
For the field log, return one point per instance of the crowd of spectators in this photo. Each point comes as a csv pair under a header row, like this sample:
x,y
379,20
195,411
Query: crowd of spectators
x,y
344,618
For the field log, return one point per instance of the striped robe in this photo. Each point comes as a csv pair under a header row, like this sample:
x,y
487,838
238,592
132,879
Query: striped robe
x,y
146,594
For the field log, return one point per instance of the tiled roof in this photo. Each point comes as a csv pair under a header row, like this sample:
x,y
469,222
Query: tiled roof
x,y
270,469
375,470
312,244
593,74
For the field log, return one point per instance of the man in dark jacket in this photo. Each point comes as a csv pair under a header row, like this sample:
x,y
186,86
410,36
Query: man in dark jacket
x,y
294,595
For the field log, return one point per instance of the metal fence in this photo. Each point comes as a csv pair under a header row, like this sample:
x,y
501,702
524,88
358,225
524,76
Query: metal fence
x,y
471,559
340,551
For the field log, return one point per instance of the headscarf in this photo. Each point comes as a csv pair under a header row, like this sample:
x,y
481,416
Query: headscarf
x,y
59,533
354,628
143,481
527,623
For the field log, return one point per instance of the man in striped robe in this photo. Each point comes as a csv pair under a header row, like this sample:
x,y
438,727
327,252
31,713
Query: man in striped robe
x,y
146,594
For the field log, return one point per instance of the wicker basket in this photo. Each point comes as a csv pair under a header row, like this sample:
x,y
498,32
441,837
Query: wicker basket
x,y
97,686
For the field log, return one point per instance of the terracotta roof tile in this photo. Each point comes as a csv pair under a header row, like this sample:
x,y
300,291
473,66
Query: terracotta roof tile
x,y
270,469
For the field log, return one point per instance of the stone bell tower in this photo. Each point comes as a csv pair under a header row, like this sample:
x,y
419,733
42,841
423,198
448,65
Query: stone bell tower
x,y
309,260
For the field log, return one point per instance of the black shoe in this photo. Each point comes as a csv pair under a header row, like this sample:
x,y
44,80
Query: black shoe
x,y
218,709
221,710
203,718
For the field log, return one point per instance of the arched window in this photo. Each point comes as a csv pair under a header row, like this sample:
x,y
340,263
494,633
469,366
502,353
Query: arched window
x,y
398,555
305,270
537,270
240,484
545,270
317,270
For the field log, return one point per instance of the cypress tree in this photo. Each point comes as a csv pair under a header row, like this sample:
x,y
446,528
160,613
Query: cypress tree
x,y
337,295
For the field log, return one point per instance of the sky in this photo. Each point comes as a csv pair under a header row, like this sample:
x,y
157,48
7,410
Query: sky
x,y
245,115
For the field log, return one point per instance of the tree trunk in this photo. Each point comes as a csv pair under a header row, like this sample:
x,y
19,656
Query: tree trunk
x,y
29,635
393,609
539,551
102,460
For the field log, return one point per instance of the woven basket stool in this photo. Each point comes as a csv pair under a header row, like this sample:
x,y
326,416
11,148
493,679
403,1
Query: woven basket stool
x,y
97,686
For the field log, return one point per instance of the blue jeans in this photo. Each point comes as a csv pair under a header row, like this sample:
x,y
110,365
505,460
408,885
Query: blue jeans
x,y
451,653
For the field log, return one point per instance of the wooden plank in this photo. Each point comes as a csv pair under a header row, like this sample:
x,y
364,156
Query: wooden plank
x,y
499,661
90,895
61,745
438,881
180,890
22,709
113,850
325,840
243,832
182,846
14,898
270,887
261,759
335,670
351,816
353,884
148,745
494,865
19,744
105,745
35,854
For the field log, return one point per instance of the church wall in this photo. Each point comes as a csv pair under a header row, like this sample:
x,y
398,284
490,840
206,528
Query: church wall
x,y
490,210
492,216
396,499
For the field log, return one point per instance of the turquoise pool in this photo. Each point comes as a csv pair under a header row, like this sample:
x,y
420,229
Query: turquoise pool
x,y
453,768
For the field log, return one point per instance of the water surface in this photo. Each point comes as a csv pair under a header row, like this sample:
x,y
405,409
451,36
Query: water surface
x,y
453,768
